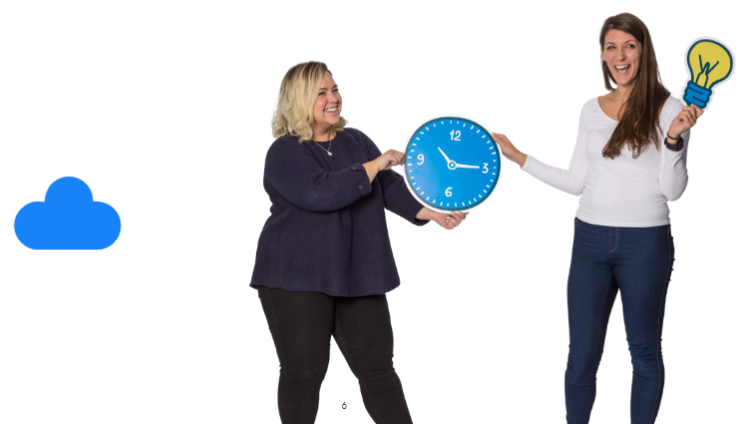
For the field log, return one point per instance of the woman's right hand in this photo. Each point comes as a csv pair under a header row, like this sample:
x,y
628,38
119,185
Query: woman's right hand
x,y
386,161
509,150
390,159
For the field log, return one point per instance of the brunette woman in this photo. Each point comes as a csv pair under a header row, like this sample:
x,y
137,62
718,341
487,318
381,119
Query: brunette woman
x,y
629,161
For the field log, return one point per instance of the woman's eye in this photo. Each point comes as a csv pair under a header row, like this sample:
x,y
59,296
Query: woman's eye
x,y
321,93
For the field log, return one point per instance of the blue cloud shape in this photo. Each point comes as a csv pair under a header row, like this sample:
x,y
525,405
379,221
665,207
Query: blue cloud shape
x,y
68,220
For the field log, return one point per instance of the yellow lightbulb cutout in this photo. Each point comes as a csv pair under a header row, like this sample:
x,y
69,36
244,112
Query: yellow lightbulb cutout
x,y
710,62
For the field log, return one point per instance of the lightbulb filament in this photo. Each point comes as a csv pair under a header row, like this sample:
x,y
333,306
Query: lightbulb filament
x,y
702,78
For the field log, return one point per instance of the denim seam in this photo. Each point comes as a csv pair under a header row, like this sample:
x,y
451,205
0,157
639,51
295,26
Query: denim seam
x,y
610,259
609,241
605,316
653,415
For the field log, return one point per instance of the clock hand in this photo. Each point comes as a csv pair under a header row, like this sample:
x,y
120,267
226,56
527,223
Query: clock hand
x,y
467,166
445,156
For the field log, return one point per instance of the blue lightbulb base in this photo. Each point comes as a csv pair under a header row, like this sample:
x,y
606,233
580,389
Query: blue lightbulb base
x,y
697,95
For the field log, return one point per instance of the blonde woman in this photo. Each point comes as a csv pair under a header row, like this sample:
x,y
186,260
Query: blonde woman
x,y
324,261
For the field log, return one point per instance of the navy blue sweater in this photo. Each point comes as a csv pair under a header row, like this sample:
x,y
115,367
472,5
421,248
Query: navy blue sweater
x,y
327,232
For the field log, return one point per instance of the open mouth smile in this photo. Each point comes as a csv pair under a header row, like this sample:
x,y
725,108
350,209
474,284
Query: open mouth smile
x,y
622,69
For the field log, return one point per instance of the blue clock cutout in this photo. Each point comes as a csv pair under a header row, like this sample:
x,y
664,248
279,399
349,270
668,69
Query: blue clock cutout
x,y
451,164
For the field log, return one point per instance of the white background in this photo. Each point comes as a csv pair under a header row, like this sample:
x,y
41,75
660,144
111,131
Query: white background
x,y
163,109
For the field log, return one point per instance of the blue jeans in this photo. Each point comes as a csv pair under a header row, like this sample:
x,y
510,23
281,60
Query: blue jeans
x,y
637,261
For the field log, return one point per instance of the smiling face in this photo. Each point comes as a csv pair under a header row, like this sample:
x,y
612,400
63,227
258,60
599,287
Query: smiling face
x,y
621,52
327,109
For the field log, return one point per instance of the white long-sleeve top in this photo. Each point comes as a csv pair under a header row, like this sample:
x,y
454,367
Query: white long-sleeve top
x,y
620,192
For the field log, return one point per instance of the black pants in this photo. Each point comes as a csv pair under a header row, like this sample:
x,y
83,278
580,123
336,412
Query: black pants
x,y
302,325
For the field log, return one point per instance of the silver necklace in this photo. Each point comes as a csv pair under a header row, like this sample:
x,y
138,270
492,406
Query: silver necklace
x,y
329,147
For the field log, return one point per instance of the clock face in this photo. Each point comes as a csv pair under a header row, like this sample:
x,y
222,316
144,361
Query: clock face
x,y
451,164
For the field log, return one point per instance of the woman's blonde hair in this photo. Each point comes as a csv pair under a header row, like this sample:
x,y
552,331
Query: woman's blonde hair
x,y
298,93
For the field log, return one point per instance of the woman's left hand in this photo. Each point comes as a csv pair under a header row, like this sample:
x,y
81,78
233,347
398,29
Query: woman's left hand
x,y
449,221
446,220
683,122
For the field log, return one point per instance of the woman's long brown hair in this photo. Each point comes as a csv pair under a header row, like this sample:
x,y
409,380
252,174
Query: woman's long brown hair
x,y
639,123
